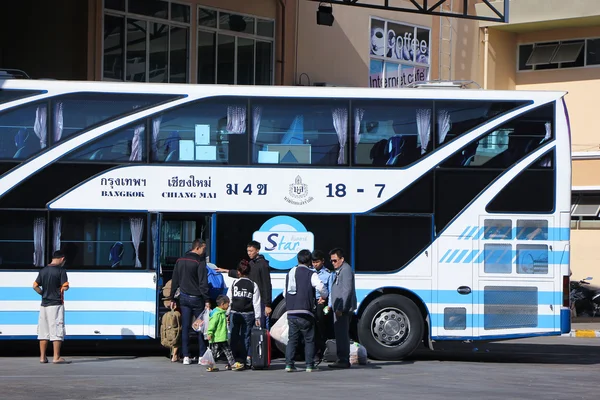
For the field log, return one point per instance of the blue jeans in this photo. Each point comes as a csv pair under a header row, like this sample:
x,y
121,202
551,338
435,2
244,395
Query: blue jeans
x,y
305,327
264,320
241,330
191,308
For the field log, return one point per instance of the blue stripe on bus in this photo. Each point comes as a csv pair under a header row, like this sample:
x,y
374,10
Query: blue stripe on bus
x,y
125,318
479,321
460,256
82,294
500,255
522,233
445,255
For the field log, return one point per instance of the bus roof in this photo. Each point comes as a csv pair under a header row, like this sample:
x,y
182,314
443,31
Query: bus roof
x,y
199,91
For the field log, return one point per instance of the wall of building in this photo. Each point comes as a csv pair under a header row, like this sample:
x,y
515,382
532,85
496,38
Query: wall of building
x,y
585,260
339,54
49,43
582,84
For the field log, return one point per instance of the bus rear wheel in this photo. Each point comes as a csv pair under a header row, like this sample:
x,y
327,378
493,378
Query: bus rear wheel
x,y
391,327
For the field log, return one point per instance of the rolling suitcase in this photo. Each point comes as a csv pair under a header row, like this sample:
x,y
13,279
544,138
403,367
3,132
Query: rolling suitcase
x,y
260,340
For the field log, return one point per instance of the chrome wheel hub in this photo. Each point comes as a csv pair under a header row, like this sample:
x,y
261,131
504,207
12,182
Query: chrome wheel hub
x,y
390,327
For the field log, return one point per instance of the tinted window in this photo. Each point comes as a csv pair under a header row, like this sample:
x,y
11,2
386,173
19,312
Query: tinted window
x,y
509,143
329,231
114,47
74,113
7,95
377,239
391,133
151,8
533,190
125,145
48,183
16,238
406,201
455,189
209,131
289,131
101,241
23,131
455,118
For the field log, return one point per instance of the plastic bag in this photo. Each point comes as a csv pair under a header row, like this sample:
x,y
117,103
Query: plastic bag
x,y
207,359
200,324
280,330
358,354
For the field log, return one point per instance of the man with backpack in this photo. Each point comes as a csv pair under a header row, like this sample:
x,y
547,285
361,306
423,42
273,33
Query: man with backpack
x,y
190,276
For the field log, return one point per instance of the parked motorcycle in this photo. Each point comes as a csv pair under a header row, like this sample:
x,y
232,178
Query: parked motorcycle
x,y
585,298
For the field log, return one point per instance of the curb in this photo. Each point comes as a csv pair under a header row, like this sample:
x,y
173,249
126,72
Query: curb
x,y
583,333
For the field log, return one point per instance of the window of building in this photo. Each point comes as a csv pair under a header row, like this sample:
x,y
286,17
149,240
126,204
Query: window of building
x,y
234,48
125,145
307,131
586,206
146,41
391,133
558,55
212,130
22,238
399,54
102,241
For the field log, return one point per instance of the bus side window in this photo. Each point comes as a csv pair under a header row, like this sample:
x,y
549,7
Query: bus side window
x,y
391,133
300,131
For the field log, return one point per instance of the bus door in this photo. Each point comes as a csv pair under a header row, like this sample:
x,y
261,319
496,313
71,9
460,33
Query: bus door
x,y
153,316
454,306
516,273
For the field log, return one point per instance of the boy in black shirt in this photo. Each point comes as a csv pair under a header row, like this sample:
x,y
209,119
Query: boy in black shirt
x,y
51,283
244,312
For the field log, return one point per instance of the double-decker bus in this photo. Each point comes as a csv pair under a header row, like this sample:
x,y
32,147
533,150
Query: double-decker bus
x,y
452,205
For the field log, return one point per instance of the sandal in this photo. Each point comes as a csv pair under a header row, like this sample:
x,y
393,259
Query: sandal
x,y
228,367
212,369
44,361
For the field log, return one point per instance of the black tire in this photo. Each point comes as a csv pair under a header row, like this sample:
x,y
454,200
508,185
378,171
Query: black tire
x,y
401,337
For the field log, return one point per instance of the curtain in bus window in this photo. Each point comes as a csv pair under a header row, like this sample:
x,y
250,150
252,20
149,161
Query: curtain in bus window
x,y
155,130
155,248
56,233
256,115
39,242
58,122
136,144
236,120
40,127
137,228
359,113
340,123
443,125
424,127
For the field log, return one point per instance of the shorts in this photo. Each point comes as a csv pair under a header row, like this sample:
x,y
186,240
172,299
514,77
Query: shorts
x,y
51,324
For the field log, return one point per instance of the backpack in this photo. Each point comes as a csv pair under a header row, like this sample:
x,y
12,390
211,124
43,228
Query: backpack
x,y
170,329
216,283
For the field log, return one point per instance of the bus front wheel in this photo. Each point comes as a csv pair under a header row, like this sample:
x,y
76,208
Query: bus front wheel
x,y
391,327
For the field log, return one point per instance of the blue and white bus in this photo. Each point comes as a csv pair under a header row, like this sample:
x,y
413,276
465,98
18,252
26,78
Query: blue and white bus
x,y
452,205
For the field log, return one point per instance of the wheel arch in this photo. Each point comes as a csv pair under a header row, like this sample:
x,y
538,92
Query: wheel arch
x,y
415,298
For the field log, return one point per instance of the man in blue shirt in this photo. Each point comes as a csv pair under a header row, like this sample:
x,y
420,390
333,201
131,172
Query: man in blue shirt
x,y
324,324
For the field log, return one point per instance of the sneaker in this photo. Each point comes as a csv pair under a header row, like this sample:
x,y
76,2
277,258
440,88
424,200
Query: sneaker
x,y
339,364
312,369
290,368
212,369
228,367
238,366
186,361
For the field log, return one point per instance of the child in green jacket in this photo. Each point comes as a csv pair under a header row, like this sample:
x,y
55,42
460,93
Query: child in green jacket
x,y
217,335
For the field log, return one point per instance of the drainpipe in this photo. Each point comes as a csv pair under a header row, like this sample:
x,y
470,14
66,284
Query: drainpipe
x,y
485,58
282,61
